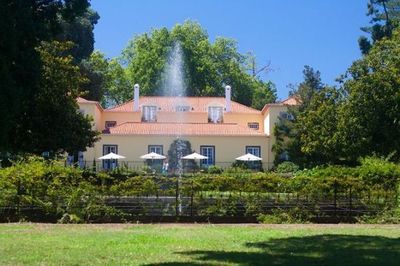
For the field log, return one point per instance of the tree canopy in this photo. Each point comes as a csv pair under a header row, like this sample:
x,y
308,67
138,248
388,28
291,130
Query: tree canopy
x,y
37,78
208,67
385,16
361,118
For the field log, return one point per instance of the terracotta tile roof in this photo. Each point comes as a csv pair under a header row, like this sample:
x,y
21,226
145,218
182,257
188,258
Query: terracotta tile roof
x,y
82,100
289,101
197,104
184,129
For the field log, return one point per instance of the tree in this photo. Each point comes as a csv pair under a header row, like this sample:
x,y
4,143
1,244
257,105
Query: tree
x,y
318,138
370,117
55,123
208,66
23,25
79,30
385,16
289,132
109,82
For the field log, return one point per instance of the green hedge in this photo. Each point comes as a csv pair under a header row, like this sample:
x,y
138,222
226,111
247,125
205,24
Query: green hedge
x,y
74,195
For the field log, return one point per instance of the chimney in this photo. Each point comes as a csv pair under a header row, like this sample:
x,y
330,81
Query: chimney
x,y
227,98
136,98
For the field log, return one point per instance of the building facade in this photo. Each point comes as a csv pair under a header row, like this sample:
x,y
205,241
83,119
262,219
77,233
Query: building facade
x,y
216,127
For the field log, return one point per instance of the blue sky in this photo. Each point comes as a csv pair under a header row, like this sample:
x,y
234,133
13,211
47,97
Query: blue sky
x,y
288,33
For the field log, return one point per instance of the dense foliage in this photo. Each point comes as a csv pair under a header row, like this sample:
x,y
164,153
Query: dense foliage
x,y
72,195
385,17
37,77
359,119
208,66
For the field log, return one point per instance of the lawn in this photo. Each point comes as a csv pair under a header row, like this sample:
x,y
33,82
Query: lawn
x,y
127,244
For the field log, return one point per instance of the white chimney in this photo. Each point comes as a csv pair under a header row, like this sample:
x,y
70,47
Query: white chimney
x,y
136,98
227,98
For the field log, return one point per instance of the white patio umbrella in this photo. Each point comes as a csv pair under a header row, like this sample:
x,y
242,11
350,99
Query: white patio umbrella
x,y
194,156
111,156
248,157
153,156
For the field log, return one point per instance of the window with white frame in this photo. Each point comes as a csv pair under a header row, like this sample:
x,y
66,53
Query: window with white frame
x,y
110,164
149,113
156,148
254,125
255,150
215,114
208,151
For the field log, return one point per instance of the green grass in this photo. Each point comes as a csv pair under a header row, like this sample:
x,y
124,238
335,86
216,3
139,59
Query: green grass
x,y
42,244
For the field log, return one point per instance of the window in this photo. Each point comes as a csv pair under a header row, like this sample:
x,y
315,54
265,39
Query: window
x,y
156,148
254,125
110,164
149,114
255,150
208,151
286,115
182,108
110,124
215,114
155,164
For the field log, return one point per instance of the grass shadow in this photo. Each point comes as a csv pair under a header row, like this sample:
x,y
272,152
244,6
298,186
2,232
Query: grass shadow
x,y
324,249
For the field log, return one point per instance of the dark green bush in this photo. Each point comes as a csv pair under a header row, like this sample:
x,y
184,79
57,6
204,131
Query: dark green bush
x,y
287,167
215,169
288,216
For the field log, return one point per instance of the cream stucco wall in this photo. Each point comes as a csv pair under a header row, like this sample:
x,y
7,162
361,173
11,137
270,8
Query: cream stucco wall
x,y
270,119
226,148
95,112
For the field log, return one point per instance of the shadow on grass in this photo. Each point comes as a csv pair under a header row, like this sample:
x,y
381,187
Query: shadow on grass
x,y
310,250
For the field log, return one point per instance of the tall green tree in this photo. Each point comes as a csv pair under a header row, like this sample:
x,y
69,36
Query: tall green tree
x,y
370,117
208,66
385,16
289,132
108,80
23,26
79,30
55,124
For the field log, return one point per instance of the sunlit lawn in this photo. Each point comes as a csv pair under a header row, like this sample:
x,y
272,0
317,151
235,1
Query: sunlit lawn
x,y
42,244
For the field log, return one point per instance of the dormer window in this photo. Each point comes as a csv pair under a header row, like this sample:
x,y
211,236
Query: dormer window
x,y
215,114
182,108
149,114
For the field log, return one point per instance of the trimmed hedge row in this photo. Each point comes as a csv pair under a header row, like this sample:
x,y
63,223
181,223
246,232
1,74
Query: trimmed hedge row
x,y
75,195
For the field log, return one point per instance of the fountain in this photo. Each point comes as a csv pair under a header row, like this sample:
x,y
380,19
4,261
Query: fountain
x,y
174,85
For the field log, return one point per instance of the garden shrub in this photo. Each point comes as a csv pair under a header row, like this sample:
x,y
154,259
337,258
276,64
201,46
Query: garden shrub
x,y
286,216
74,195
287,168
215,169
